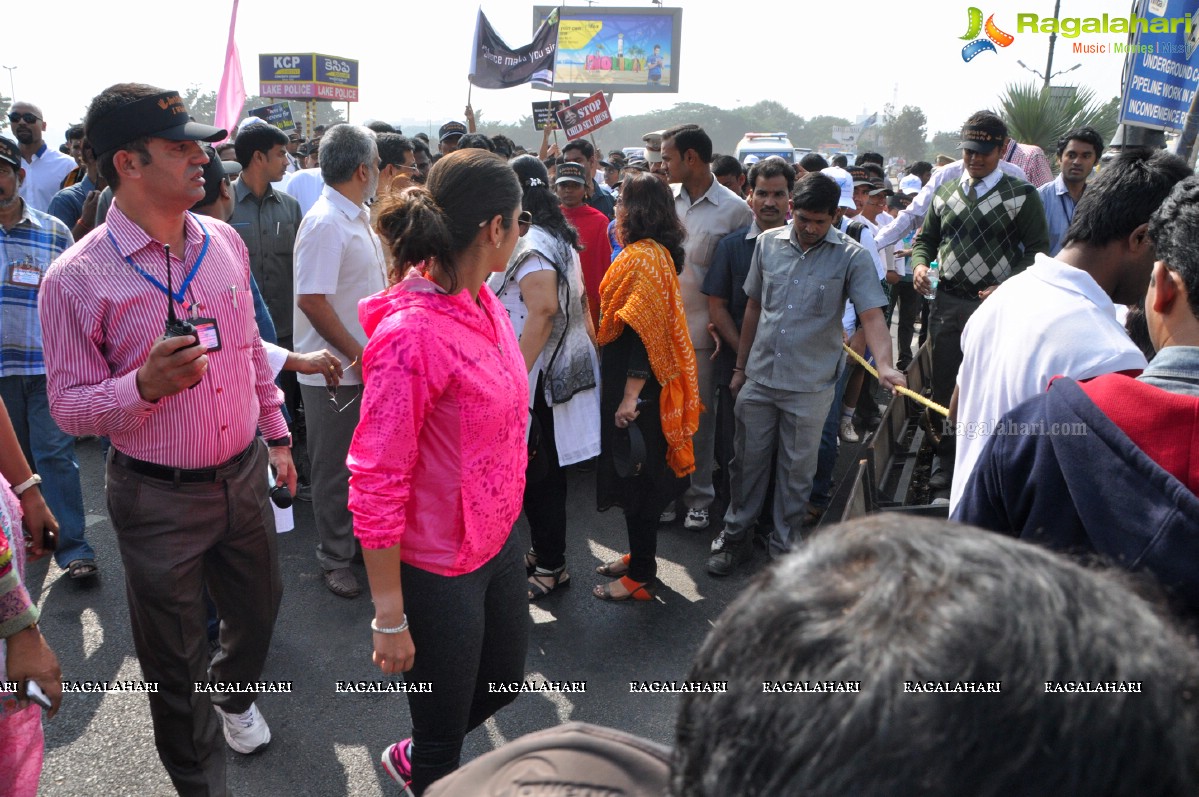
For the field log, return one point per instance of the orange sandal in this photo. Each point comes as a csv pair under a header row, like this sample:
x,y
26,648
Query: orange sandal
x,y
615,569
637,591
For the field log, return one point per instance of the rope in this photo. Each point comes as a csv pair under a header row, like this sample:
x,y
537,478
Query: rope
x,y
932,405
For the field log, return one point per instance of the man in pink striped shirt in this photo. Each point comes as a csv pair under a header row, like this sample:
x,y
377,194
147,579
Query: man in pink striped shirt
x,y
186,492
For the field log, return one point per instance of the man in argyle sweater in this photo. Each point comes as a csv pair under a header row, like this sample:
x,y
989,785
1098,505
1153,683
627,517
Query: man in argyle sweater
x,y
981,229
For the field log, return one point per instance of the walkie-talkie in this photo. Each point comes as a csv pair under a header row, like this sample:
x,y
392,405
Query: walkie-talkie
x,y
175,328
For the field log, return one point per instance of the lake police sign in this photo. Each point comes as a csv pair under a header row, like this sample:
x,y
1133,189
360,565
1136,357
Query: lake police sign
x,y
308,76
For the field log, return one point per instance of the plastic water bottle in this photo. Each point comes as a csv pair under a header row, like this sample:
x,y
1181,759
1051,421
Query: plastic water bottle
x,y
933,278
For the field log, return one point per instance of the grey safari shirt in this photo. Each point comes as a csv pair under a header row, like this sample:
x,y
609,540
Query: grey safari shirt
x,y
798,342
268,226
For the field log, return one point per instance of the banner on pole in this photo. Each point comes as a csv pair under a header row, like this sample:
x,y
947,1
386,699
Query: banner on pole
x,y
495,65
584,117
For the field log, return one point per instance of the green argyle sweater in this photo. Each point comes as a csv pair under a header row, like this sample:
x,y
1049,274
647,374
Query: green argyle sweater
x,y
981,243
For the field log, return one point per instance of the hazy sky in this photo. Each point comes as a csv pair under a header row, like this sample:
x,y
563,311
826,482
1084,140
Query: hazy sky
x,y
820,58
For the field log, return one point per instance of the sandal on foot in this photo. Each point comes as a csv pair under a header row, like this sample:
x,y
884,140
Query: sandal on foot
x,y
530,562
615,569
636,591
82,568
543,582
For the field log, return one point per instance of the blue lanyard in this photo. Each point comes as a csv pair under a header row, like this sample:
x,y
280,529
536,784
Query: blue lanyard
x,y
178,295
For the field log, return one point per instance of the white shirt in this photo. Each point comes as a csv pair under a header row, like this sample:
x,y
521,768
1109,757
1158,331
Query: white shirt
x,y
911,217
305,187
708,219
43,175
513,300
338,255
984,185
1052,319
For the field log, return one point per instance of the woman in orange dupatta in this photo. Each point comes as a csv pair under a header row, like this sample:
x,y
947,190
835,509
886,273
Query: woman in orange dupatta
x,y
648,378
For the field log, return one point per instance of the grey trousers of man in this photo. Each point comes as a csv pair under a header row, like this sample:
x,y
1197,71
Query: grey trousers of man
x,y
768,420
701,493
174,541
329,435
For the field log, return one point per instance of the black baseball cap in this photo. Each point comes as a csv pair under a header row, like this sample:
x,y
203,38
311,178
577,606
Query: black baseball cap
x,y
162,115
860,175
571,172
451,129
982,138
215,171
9,152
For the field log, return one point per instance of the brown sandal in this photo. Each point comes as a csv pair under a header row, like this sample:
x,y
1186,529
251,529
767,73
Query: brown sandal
x,y
615,569
636,591
543,582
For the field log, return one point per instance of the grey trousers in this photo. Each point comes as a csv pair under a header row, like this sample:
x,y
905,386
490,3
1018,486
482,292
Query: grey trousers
x,y
789,423
329,436
701,492
174,540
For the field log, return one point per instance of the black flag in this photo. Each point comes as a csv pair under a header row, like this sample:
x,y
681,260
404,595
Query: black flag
x,y
495,65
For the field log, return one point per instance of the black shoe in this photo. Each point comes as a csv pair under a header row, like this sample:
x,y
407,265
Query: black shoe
x,y
727,554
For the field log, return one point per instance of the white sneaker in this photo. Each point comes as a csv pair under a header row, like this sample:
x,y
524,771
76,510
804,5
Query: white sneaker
x,y
696,519
246,732
848,433
668,515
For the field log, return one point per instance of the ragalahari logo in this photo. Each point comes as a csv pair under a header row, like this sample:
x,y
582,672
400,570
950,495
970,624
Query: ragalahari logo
x,y
981,45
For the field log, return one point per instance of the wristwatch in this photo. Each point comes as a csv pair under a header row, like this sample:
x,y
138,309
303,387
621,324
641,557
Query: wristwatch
x,y
25,485
279,442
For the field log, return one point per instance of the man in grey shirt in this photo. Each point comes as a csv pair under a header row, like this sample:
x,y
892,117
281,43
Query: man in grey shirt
x,y
789,360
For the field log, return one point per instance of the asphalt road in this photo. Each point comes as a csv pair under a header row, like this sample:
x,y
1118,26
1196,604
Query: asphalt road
x,y
326,743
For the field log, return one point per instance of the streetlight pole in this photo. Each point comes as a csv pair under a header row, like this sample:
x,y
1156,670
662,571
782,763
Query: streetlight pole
x,y
1057,7
11,86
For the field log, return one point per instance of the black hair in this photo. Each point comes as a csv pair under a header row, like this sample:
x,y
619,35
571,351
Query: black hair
x,y
817,193
772,167
1136,324
420,145
257,138
380,127
74,132
1174,229
1124,195
476,141
436,222
813,162
874,170
920,168
540,200
392,147
890,604
690,137
582,145
1087,135
987,119
727,166
503,146
868,157
840,161
423,136
649,213
109,100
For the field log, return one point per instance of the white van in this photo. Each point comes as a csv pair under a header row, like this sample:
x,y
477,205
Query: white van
x,y
763,145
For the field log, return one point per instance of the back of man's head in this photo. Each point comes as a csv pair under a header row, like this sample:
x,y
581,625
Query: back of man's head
x,y
256,138
868,157
921,169
1124,195
840,161
726,166
888,602
812,162
344,148
690,137
1174,230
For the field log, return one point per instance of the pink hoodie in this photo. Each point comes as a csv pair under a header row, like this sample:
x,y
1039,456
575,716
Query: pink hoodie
x,y
437,464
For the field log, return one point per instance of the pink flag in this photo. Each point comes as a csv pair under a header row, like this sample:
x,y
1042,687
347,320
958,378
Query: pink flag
x,y
232,94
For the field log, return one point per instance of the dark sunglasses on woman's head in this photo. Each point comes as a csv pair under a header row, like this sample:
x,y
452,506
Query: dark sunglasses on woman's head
x,y
524,221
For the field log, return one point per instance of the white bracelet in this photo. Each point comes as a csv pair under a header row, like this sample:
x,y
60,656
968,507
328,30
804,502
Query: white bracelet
x,y
399,629
25,485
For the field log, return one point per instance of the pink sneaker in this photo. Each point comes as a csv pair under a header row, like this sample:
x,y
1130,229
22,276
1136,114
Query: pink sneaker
x,y
395,760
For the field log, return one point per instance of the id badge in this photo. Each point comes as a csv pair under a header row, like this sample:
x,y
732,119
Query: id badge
x,y
25,274
207,333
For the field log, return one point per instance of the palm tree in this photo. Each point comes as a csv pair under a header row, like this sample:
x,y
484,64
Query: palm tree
x,y
1037,115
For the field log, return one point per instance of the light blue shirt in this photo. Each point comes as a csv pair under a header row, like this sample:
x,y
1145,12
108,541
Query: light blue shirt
x,y
1174,368
1059,211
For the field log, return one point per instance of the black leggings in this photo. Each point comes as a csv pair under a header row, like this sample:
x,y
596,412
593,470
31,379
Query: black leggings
x,y
469,631
545,499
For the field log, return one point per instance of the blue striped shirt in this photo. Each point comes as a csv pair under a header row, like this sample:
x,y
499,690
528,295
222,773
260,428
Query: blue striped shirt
x,y
26,252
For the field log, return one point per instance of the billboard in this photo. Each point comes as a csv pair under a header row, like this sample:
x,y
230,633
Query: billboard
x,y
307,76
615,49
1164,72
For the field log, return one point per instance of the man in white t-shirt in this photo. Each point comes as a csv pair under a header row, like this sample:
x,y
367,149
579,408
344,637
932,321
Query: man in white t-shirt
x,y
338,261
1058,317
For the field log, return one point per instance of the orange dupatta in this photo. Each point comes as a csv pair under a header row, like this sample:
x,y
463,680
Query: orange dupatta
x,y
641,290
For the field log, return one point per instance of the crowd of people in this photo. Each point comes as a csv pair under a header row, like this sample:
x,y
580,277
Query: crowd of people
x,y
451,332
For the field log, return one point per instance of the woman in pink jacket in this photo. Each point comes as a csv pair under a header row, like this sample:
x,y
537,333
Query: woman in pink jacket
x,y
437,465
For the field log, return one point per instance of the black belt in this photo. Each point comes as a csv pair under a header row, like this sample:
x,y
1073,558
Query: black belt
x,y
183,475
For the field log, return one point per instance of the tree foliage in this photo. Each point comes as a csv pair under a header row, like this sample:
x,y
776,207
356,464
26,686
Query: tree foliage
x,y
1034,115
904,134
